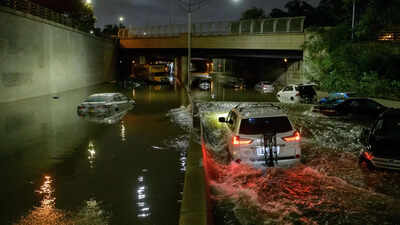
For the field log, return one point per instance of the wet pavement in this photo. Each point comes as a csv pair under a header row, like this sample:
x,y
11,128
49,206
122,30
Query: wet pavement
x,y
57,168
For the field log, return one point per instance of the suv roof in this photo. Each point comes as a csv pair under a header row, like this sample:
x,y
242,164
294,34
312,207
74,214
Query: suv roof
x,y
258,110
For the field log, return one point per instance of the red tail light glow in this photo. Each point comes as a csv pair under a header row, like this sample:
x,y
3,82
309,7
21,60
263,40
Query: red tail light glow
x,y
297,93
368,156
241,141
294,138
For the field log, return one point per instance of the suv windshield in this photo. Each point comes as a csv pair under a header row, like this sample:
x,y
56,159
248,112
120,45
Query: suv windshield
x,y
263,125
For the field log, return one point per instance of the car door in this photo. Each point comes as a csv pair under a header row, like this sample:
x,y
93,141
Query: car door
x,y
288,93
118,103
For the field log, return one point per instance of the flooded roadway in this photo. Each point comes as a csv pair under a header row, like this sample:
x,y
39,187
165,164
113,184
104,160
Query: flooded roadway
x,y
56,168
328,187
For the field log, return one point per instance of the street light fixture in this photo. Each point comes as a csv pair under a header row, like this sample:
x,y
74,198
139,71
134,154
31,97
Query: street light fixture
x,y
121,19
190,6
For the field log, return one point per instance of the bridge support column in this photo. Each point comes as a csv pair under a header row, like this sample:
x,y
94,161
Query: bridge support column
x,y
181,69
142,59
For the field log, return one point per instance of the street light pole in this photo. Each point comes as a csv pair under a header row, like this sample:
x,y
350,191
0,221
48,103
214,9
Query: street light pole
x,y
190,6
189,46
353,20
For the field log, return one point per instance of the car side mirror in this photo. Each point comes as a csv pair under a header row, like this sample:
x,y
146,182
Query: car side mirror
x,y
222,120
364,136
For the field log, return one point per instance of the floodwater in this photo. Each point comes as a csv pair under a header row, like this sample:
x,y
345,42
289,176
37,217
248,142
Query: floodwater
x,y
57,168
327,187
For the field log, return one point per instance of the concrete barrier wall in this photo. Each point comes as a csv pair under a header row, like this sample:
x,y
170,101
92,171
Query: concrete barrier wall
x,y
39,57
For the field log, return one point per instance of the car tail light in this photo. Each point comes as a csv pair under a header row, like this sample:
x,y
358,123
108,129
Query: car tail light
x,y
368,156
241,141
294,138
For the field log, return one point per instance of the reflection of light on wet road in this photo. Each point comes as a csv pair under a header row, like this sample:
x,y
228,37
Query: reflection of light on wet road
x,y
47,191
141,195
182,159
92,154
123,132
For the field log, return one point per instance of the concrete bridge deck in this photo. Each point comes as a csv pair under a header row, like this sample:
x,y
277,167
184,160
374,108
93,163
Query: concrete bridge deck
x,y
267,34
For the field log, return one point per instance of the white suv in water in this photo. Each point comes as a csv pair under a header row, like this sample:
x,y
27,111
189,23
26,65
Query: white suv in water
x,y
262,135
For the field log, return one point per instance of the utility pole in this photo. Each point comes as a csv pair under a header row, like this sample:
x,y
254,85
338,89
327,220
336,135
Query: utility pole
x,y
190,6
353,20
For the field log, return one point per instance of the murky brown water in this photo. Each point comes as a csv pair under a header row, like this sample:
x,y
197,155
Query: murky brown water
x,y
56,168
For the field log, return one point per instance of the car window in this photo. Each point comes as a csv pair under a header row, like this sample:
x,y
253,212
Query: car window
x,y
96,99
371,104
233,119
391,126
288,88
307,90
117,98
378,126
354,104
228,118
123,98
264,125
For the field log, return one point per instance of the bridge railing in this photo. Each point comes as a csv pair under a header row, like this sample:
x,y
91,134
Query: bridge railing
x,y
35,9
244,27
32,8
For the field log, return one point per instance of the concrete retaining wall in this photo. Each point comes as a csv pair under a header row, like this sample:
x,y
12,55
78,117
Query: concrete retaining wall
x,y
39,57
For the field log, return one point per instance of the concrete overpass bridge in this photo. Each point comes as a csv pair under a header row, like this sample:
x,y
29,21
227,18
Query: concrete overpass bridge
x,y
277,38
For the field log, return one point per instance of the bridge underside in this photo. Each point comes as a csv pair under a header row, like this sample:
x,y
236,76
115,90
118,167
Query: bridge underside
x,y
215,53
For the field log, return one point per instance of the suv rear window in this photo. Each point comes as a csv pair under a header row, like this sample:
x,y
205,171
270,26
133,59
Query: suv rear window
x,y
264,125
307,90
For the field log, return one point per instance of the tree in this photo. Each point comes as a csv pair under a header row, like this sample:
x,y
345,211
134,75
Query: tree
x,y
277,13
253,13
111,29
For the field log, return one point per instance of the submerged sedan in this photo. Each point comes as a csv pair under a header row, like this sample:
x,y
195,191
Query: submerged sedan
x,y
104,103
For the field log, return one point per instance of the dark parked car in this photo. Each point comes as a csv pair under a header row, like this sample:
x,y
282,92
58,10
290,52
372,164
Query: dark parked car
x,y
336,97
301,93
359,107
382,142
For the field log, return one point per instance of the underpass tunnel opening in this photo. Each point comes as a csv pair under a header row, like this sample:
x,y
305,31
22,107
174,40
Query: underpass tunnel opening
x,y
281,71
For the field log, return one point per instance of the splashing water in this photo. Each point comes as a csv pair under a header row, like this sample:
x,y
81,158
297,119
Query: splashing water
x,y
329,188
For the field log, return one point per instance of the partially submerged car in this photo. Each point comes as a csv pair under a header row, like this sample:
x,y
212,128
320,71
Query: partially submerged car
x,y
336,97
236,84
359,107
261,135
382,142
107,118
297,93
104,103
264,87
160,77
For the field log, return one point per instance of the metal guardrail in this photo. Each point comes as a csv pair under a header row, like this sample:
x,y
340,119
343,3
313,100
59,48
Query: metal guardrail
x,y
35,9
245,27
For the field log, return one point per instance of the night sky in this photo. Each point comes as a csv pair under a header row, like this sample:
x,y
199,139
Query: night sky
x,y
160,12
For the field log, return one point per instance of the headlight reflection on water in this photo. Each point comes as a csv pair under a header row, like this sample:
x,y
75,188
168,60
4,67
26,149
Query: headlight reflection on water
x,y
92,154
141,196
123,131
47,191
